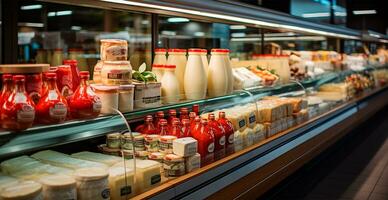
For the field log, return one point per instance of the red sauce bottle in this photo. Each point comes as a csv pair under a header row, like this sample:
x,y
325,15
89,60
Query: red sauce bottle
x,y
195,108
186,128
65,80
205,137
149,128
17,111
163,127
7,88
194,125
219,136
184,114
52,107
159,115
171,116
141,126
229,132
192,116
176,129
84,103
74,73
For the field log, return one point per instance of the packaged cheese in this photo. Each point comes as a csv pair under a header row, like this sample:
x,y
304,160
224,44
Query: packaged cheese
x,y
92,183
7,181
248,137
121,183
97,157
25,190
185,147
259,133
63,160
238,141
59,187
193,162
19,163
237,119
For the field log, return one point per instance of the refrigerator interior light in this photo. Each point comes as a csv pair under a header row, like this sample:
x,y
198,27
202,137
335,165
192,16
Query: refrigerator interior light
x,y
230,18
364,12
31,7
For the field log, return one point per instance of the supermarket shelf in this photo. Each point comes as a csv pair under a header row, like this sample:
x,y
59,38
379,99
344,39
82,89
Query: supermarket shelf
x,y
213,178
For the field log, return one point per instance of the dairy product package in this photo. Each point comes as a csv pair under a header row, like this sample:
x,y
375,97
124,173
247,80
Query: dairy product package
x,y
121,183
19,163
23,190
193,162
238,141
59,187
64,160
97,157
185,147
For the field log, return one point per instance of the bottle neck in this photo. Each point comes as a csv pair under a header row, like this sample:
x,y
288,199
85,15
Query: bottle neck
x,y
7,85
19,86
84,81
51,84
163,130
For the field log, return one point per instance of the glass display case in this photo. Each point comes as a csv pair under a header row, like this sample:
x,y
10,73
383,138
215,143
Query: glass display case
x,y
296,86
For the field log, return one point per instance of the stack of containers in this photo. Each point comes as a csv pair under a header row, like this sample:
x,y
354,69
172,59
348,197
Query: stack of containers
x,y
113,77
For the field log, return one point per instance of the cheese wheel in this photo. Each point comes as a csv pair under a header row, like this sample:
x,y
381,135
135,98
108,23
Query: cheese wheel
x,y
22,191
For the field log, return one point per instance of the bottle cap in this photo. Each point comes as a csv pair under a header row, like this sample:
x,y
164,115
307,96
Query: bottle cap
x,y
157,66
170,66
177,50
19,78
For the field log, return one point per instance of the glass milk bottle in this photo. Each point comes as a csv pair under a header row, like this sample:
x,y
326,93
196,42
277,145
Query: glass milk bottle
x,y
217,77
204,60
160,57
178,58
170,85
158,70
228,71
195,81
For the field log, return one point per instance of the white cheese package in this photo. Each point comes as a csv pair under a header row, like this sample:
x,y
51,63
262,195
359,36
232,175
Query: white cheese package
x,y
59,187
238,141
63,160
259,132
121,183
28,190
19,163
97,157
40,171
193,162
92,183
185,147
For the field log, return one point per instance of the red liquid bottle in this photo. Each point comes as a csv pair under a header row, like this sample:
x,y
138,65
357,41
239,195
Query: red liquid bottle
x,y
171,116
176,129
229,133
205,137
65,80
184,114
195,124
7,88
186,128
84,103
159,115
219,136
149,128
163,127
52,106
195,109
74,72
17,111
192,116
141,126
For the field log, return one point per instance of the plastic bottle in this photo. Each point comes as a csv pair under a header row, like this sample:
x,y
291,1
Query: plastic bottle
x,y
229,71
186,128
194,125
195,81
219,137
18,112
159,115
192,116
65,80
178,58
176,129
158,71
170,85
141,126
84,103
160,56
205,137
52,107
229,132
217,77
7,88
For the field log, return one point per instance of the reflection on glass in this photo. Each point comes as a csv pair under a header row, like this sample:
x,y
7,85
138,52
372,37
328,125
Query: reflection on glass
x,y
50,33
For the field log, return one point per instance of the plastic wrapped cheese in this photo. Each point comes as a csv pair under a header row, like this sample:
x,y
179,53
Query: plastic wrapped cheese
x,y
259,133
26,190
19,163
59,187
186,146
236,117
97,157
121,183
92,183
238,141
63,160
248,137
193,162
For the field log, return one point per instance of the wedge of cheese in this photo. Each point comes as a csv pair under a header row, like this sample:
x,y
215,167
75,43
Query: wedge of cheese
x,y
121,183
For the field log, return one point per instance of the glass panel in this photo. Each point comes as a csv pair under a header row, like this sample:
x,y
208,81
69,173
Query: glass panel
x,y
76,31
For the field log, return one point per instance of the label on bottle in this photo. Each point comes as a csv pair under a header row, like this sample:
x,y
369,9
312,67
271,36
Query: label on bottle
x,y
210,148
97,105
231,139
20,98
59,111
52,95
26,114
222,141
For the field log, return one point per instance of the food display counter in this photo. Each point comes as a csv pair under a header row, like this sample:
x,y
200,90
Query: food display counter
x,y
219,114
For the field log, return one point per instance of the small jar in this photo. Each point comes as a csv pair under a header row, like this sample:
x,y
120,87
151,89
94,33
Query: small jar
x,y
126,94
152,143
108,151
142,155
92,183
157,156
127,154
173,165
116,73
126,141
165,143
113,140
109,98
114,49
59,187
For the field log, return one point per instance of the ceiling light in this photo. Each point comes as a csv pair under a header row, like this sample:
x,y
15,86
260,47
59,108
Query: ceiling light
x,y
238,34
177,19
169,33
364,12
51,14
199,34
231,18
65,12
29,24
31,7
76,28
341,14
312,15
145,22
237,27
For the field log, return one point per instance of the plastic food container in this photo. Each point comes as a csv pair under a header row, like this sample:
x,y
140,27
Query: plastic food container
x,y
147,95
92,183
126,95
152,143
174,165
113,140
126,141
116,73
165,144
114,50
109,98
108,151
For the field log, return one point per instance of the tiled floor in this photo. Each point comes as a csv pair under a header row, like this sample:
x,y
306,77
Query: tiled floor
x,y
358,169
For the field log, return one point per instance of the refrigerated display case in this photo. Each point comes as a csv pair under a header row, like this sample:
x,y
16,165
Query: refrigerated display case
x,y
285,143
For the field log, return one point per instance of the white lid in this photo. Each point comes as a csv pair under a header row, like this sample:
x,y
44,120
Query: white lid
x,y
167,138
23,190
90,173
126,87
173,158
58,181
156,156
105,88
